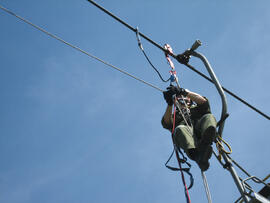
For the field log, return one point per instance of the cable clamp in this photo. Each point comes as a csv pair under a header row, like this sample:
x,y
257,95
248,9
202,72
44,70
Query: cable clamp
x,y
227,165
184,57
139,38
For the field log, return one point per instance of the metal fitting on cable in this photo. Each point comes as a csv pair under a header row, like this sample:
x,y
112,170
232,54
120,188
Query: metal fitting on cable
x,y
184,57
138,38
227,165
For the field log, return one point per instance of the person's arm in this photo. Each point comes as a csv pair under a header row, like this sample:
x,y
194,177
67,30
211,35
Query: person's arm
x,y
195,97
186,93
167,116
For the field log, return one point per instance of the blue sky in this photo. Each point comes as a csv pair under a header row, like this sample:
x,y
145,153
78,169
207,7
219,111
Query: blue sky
x,y
74,130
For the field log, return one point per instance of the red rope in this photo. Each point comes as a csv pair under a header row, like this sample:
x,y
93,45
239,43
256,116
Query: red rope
x,y
178,159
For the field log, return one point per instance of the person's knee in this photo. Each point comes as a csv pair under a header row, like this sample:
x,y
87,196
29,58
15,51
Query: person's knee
x,y
183,137
208,120
180,129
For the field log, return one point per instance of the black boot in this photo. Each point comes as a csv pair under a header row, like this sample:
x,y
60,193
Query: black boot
x,y
193,154
208,136
205,153
205,148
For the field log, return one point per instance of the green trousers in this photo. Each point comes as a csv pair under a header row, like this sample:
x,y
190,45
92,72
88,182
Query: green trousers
x,y
187,137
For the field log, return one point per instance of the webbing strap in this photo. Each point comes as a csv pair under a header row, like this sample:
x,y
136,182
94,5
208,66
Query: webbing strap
x,y
186,170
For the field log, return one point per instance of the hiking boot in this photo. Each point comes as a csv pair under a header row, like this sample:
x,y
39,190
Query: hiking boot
x,y
193,154
204,165
205,153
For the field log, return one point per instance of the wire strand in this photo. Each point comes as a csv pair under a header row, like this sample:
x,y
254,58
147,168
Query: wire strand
x,y
79,49
160,76
147,58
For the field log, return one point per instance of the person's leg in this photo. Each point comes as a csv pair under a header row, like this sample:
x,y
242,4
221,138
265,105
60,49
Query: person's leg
x,y
206,127
184,138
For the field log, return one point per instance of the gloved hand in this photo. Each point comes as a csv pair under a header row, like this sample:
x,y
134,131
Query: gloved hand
x,y
171,90
181,91
178,91
168,97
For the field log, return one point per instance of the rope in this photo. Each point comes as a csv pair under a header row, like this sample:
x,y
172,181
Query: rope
x,y
174,78
178,159
220,147
266,177
79,49
147,58
206,187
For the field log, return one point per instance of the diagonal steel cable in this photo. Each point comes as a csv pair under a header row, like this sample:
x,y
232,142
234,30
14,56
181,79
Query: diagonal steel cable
x,y
79,49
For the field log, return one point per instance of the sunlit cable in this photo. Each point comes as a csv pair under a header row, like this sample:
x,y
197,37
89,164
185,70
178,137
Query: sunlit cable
x,y
79,49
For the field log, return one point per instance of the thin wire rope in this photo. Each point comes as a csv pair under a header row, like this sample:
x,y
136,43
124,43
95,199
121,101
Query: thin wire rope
x,y
79,49
174,56
240,167
160,76
147,58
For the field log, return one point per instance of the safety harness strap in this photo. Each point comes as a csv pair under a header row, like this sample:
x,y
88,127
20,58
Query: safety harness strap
x,y
186,170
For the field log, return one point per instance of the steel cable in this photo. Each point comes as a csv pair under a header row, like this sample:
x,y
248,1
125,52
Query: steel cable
x,y
79,49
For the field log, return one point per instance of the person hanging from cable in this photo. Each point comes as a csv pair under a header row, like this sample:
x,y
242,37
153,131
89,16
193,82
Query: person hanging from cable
x,y
195,125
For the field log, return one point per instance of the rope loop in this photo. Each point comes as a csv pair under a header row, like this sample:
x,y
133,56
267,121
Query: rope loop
x,y
220,147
